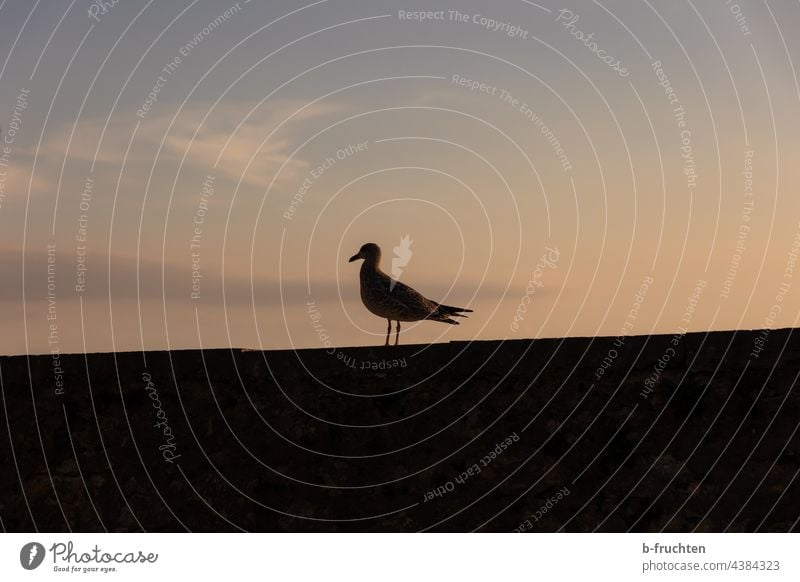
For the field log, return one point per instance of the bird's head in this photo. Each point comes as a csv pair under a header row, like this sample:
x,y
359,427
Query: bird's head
x,y
370,252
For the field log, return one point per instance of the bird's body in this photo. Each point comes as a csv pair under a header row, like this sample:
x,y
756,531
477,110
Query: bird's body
x,y
394,300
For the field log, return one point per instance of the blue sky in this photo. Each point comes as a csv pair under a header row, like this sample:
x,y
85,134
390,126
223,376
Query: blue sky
x,y
475,177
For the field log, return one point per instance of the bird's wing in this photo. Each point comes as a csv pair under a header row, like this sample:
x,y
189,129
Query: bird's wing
x,y
411,298
378,291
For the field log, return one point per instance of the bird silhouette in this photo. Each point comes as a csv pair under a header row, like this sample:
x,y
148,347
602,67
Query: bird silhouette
x,y
395,301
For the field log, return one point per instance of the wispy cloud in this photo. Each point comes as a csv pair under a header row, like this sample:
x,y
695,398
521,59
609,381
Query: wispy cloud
x,y
148,279
202,137
16,179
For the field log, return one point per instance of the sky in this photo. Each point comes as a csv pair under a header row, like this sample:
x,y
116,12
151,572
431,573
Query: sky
x,y
196,174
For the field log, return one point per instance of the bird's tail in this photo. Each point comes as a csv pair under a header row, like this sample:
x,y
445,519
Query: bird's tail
x,y
443,313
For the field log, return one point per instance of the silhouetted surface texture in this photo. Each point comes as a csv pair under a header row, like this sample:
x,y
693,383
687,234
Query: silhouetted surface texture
x,y
309,441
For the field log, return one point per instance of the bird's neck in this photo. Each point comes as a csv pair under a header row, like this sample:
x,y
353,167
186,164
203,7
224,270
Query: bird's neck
x,y
370,265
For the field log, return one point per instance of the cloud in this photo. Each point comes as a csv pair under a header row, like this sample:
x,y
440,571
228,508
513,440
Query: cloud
x,y
224,134
145,279
148,280
15,180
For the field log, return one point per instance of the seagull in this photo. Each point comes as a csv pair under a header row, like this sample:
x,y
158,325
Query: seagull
x,y
386,297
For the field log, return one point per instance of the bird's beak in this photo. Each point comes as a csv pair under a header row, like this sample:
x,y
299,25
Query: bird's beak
x,y
355,257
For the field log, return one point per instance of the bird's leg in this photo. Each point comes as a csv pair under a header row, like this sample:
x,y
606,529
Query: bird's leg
x,y
388,331
397,338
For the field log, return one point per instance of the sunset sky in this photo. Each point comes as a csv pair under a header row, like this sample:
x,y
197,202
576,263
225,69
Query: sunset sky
x,y
594,162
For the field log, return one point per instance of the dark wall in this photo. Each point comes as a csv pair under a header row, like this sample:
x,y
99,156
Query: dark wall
x,y
677,433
